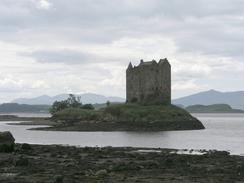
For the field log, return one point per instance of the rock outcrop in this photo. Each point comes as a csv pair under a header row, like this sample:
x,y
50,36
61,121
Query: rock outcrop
x,y
6,142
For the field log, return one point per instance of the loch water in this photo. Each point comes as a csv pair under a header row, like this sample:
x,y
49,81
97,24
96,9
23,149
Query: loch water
x,y
223,132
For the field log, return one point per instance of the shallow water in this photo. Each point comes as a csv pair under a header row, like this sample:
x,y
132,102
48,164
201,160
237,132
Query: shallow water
x,y
223,132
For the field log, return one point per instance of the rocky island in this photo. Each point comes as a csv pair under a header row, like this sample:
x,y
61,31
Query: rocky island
x,y
125,117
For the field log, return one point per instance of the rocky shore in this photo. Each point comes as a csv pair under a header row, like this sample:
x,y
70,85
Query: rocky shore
x,y
65,164
123,126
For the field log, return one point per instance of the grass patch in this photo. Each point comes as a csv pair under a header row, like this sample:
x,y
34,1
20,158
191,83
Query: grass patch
x,y
137,113
71,115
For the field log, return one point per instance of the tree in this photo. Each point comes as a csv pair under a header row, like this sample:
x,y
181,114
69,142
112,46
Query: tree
x,y
58,106
71,102
74,101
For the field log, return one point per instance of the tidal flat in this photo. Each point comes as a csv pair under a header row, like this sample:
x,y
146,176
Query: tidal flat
x,y
68,164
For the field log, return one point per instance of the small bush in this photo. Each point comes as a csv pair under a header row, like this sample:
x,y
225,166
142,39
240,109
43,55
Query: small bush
x,y
88,106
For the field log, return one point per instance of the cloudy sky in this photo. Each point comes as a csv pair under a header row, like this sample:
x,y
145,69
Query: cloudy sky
x,y
76,46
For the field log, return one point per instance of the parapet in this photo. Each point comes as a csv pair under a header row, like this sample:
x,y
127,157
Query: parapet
x,y
148,63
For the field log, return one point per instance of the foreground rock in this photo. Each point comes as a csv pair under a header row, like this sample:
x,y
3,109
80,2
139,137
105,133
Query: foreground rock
x,y
6,142
42,163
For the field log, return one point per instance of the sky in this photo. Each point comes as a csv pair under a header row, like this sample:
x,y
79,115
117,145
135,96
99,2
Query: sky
x,y
78,46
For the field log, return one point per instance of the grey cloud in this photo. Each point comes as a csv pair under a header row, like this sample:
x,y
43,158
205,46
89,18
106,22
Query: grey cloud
x,y
204,26
95,13
210,27
69,56
62,56
217,36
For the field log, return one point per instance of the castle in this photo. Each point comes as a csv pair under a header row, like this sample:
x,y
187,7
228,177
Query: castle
x,y
149,83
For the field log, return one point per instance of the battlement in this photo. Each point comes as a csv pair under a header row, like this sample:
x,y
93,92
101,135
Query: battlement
x,y
148,63
149,82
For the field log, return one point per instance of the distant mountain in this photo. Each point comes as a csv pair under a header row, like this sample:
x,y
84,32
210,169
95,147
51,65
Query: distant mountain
x,y
234,99
85,98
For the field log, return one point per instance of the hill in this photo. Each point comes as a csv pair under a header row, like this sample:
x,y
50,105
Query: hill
x,y
85,99
215,108
234,99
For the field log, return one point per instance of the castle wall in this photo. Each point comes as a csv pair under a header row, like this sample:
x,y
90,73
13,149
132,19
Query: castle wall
x,y
133,85
165,82
149,83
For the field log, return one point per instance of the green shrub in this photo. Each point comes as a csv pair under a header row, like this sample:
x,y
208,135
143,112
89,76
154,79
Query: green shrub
x,y
88,106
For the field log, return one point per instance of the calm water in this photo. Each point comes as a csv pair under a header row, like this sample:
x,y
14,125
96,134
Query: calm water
x,y
223,132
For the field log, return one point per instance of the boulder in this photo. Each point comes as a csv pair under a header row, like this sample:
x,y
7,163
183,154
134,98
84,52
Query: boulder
x,y
6,142
6,138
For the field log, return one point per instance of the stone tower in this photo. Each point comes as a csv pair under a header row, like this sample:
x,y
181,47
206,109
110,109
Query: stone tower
x,y
149,83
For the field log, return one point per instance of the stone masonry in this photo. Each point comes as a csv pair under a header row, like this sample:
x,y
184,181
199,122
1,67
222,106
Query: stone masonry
x,y
149,83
